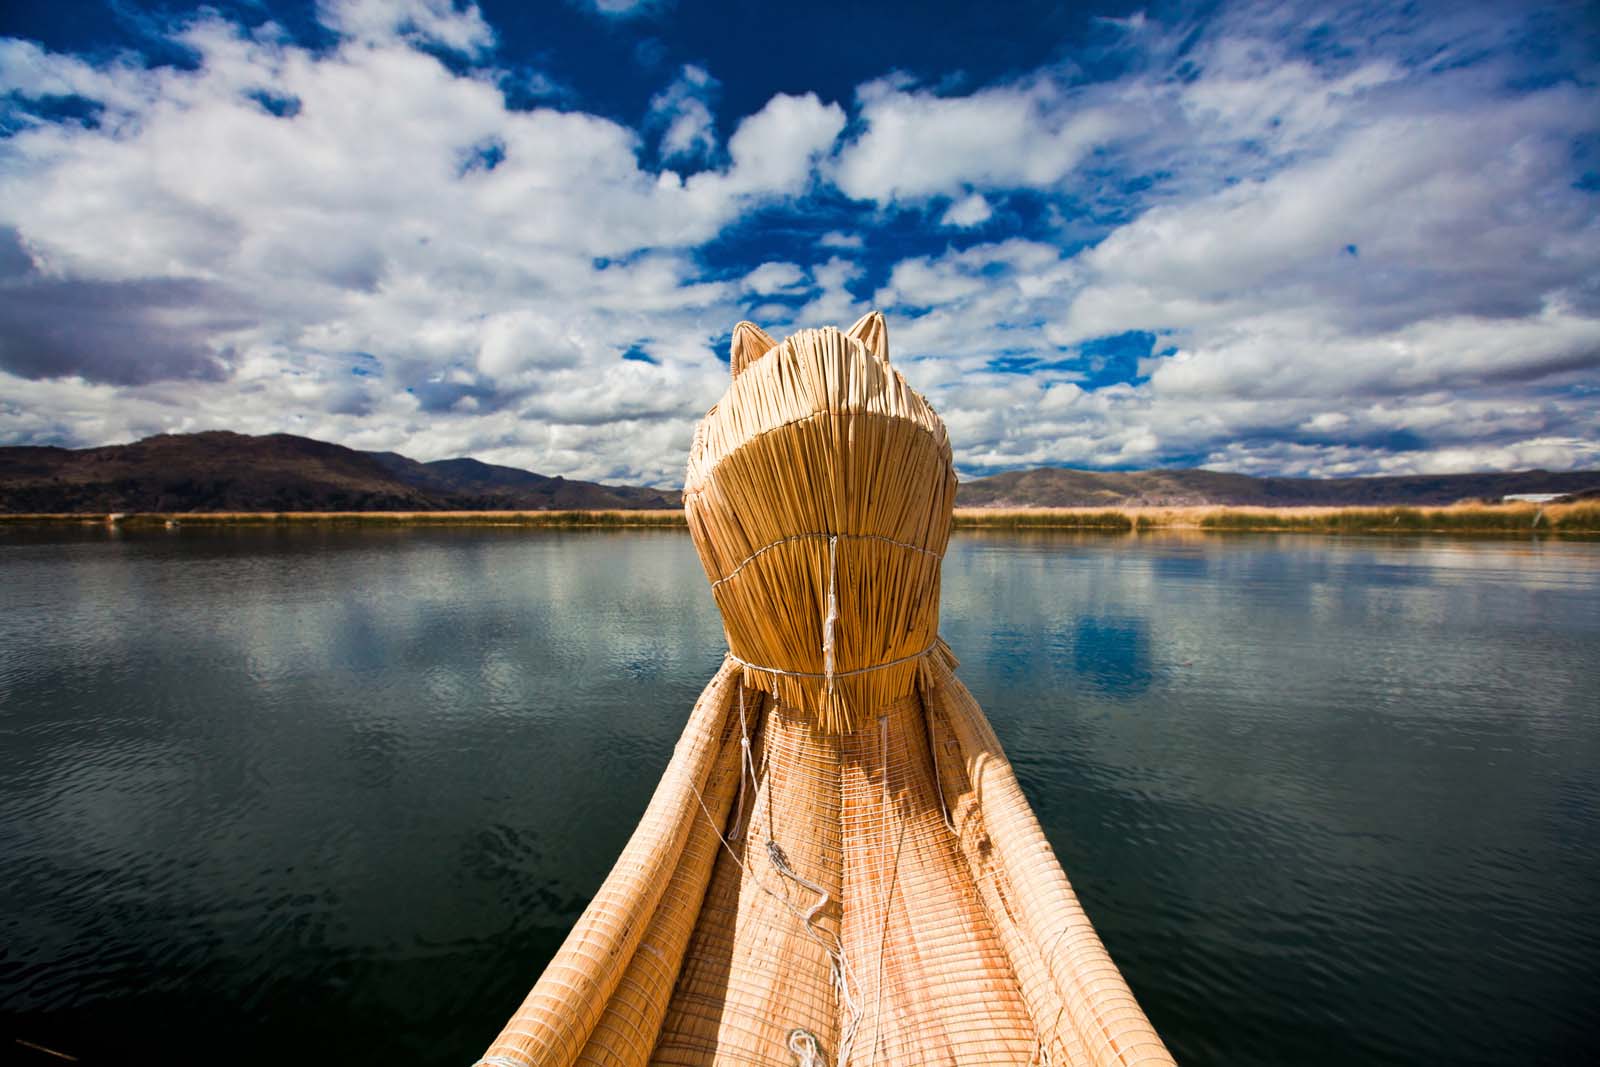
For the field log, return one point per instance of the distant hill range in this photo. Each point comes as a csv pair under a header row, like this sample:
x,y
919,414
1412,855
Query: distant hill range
x,y
220,471
1059,488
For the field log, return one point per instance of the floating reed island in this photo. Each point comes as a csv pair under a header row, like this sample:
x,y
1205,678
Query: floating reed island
x,y
838,866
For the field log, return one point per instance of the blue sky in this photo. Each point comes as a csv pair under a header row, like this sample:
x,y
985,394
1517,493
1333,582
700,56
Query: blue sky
x,y
1287,238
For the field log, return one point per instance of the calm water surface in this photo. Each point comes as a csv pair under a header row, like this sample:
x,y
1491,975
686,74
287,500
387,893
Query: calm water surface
x,y
336,796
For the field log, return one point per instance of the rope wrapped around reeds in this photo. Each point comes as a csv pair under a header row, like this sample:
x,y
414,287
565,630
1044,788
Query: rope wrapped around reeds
x,y
839,867
825,566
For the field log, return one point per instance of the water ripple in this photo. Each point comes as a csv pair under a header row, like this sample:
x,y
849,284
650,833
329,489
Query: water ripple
x,y
338,795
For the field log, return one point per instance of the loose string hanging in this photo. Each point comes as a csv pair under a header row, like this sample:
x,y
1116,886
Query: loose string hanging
x,y
894,878
806,1048
744,766
831,619
841,974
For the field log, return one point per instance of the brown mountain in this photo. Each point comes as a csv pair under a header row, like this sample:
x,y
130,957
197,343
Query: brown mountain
x,y
220,471
1062,488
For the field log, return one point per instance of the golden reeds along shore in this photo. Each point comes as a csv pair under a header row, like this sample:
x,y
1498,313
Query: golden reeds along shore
x,y
1578,517
641,517
1581,517
838,866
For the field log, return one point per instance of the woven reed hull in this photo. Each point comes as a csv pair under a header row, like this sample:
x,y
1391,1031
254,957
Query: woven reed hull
x,y
838,866
958,936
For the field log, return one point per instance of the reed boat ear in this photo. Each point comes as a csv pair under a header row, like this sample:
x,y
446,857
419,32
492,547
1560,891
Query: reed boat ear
x,y
873,332
750,343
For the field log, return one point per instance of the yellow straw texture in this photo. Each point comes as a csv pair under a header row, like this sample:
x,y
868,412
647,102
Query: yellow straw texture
x,y
820,471
1012,861
839,868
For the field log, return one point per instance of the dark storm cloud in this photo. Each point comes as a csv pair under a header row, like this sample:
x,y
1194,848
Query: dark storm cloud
x,y
438,395
121,333
14,259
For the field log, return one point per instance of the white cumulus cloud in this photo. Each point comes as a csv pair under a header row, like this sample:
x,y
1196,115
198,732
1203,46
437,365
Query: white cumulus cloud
x,y
1377,254
917,143
683,111
255,230
967,212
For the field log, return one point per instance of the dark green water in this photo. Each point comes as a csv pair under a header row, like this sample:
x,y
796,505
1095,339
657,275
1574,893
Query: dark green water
x,y
321,797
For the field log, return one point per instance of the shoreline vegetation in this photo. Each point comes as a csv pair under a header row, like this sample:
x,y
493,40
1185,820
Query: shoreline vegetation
x,y
1579,517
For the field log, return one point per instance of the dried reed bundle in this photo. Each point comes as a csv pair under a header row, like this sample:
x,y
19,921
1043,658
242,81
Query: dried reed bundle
x,y
823,483
839,866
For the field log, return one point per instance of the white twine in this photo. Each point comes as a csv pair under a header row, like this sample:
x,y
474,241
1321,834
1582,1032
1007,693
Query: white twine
x,y
803,1043
840,971
836,674
894,877
838,965
780,863
744,765
768,547
832,617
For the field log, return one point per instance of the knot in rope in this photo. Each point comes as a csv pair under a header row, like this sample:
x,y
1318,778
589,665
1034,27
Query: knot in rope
x,y
807,1050
831,619
780,863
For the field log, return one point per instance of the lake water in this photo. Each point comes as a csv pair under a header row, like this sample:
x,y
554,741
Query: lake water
x,y
326,796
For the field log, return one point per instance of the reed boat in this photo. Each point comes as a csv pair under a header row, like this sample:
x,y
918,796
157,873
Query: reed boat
x,y
838,866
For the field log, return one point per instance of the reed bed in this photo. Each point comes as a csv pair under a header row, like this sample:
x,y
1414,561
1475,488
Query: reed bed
x,y
1581,517
643,517
1063,518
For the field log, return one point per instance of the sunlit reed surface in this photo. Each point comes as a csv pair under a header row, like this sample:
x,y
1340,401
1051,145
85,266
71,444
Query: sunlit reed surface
x,y
334,795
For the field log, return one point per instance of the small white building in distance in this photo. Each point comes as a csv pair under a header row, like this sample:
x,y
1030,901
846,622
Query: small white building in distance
x,y
1530,498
